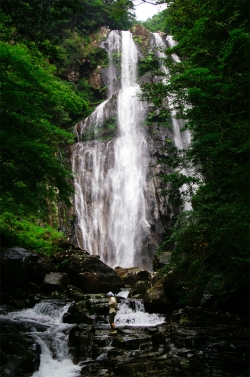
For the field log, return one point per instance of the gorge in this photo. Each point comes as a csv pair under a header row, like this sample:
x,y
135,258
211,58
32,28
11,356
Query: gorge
x,y
54,310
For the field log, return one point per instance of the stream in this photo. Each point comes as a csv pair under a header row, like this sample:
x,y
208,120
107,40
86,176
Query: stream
x,y
44,323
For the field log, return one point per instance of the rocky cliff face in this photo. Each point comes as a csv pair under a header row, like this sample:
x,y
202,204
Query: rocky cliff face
x,y
115,132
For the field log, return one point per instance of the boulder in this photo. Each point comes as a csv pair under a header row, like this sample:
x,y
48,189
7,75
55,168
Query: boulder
x,y
156,300
19,267
75,293
38,270
143,275
173,287
55,281
131,276
87,310
88,272
170,286
161,260
14,266
140,288
93,303
80,341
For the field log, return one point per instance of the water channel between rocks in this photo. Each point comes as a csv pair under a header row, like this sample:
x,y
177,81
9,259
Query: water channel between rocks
x,y
44,323
187,342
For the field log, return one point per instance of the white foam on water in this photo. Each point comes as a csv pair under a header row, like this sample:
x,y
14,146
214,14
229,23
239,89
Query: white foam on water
x,y
55,360
132,313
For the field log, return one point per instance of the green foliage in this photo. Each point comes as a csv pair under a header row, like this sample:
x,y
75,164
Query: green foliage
x,y
71,49
121,15
102,132
38,108
34,103
148,64
211,91
157,22
38,21
26,233
137,39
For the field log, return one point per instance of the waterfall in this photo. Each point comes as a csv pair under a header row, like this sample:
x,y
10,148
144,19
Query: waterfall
x,y
128,222
116,207
44,324
181,139
131,312
110,176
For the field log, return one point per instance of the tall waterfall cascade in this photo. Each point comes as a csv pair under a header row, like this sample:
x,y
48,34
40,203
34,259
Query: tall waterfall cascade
x,y
116,202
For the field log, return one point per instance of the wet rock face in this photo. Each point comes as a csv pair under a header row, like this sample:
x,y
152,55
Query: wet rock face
x,y
14,265
142,37
193,342
88,272
96,78
156,300
20,355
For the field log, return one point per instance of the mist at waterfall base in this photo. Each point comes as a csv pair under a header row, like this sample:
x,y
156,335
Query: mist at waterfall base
x,y
115,215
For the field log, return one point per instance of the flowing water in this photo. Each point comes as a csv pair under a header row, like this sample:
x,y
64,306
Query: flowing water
x,y
132,313
115,202
110,176
181,139
45,325
127,221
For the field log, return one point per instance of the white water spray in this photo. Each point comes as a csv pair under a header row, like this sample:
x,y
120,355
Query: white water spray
x,y
132,313
55,360
110,177
128,223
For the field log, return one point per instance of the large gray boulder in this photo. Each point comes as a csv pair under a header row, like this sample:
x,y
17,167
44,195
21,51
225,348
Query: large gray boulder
x,y
19,266
156,300
55,281
14,266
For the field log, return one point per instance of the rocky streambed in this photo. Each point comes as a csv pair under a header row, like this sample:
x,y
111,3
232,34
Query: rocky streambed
x,y
53,328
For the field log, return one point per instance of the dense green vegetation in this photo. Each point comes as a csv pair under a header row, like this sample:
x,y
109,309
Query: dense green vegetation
x,y
158,23
211,90
43,41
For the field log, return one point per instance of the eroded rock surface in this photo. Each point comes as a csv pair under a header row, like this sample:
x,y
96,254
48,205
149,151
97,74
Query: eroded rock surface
x,y
193,342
